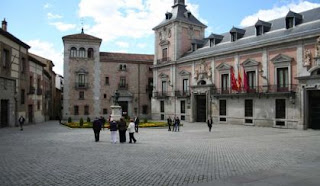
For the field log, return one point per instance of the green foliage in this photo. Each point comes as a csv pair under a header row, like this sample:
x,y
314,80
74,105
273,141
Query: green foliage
x,y
69,120
145,120
88,120
81,122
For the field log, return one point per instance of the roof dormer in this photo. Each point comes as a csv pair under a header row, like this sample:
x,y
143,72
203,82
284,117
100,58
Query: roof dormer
x,y
293,19
196,43
168,15
187,14
262,27
236,34
214,39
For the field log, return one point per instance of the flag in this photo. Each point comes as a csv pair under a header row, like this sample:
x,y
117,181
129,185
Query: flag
x,y
245,80
233,80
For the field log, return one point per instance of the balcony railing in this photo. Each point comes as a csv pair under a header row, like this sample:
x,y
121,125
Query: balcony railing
x,y
32,90
163,94
182,93
39,91
163,60
268,89
123,86
81,85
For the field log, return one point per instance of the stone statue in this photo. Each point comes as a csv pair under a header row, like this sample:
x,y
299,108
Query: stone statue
x,y
116,98
318,47
307,58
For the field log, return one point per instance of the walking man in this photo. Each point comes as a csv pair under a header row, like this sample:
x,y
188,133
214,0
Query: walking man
x,y
96,126
136,123
21,122
210,122
169,121
177,124
131,129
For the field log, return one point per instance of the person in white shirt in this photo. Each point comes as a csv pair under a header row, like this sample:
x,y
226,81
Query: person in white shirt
x,y
131,129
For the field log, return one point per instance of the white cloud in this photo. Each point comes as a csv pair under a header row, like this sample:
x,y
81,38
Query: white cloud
x,y
53,16
47,5
63,26
122,44
126,18
277,12
142,45
47,50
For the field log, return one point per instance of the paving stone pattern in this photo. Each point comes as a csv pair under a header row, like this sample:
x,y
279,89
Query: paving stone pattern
x,y
52,154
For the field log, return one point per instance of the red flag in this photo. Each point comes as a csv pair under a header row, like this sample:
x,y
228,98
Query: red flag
x,y
233,80
239,82
245,81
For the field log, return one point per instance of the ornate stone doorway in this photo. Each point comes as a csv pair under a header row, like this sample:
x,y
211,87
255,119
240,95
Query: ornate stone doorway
x,y
201,107
314,108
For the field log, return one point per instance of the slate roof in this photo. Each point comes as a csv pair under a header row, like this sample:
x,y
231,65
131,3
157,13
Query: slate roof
x,y
125,57
179,12
13,38
82,36
278,33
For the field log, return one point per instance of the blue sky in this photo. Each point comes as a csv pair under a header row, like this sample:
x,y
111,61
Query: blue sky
x,y
126,25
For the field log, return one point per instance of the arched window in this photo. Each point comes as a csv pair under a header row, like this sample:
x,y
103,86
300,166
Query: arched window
x,y
90,53
124,67
120,67
73,52
82,52
202,82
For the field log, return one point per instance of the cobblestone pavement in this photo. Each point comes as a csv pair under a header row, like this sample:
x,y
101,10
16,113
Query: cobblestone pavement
x,y
52,154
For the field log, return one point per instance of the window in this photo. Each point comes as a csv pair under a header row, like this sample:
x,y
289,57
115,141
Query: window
x,y
251,80
120,67
122,82
76,110
81,80
161,106
107,80
86,110
82,52
73,52
280,108
183,107
105,96
185,86
223,107
248,108
145,109
38,105
5,58
282,79
259,30
23,65
105,111
212,42
165,54
289,22
90,53
124,67
233,36
31,82
22,96
38,83
164,87
224,82
81,95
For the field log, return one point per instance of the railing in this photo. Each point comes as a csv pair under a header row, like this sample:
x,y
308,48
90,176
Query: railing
x,y
162,94
268,89
32,90
39,91
81,85
123,86
183,93
163,60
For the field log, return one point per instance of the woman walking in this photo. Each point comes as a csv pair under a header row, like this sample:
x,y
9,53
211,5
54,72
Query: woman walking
x,y
122,130
131,129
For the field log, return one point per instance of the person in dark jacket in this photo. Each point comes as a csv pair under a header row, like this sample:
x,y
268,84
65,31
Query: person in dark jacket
x,y
113,129
210,122
96,126
21,122
177,124
122,126
136,124
169,121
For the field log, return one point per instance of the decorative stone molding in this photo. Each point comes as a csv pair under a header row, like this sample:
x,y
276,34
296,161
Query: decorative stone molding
x,y
184,73
307,58
223,67
250,63
163,76
81,71
281,58
317,52
203,71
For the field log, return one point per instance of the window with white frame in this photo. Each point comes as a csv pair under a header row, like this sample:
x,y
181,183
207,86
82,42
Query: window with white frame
x,y
82,52
185,86
282,73
73,52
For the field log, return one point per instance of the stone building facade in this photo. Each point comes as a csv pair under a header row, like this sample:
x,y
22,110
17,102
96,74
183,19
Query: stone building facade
x,y
91,78
264,75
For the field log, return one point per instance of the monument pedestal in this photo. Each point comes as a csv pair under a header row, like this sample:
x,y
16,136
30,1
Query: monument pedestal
x,y
116,112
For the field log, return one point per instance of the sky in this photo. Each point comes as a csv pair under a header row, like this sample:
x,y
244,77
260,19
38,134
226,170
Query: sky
x,y
126,25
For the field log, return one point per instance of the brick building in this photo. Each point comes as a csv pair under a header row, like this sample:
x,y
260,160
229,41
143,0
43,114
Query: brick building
x,y
265,75
91,77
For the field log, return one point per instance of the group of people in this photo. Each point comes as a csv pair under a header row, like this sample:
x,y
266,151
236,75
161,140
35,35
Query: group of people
x,y
115,126
175,123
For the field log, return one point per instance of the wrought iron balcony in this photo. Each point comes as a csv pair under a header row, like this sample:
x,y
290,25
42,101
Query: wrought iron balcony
x,y
163,60
123,86
162,94
182,93
39,91
81,85
268,89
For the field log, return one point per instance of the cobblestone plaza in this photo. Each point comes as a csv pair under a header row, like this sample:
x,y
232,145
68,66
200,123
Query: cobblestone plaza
x,y
52,154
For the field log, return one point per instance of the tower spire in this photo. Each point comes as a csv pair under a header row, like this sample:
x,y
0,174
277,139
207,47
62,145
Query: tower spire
x,y
179,2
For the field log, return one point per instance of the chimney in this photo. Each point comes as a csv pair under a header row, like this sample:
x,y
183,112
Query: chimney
x,y
4,24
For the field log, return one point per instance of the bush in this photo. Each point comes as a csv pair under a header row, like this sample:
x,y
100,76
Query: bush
x,y
88,120
145,120
81,122
69,120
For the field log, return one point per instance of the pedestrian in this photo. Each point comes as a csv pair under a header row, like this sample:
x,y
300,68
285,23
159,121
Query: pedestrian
x,y
103,121
210,122
169,121
21,122
177,124
96,126
136,123
122,125
131,129
113,129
